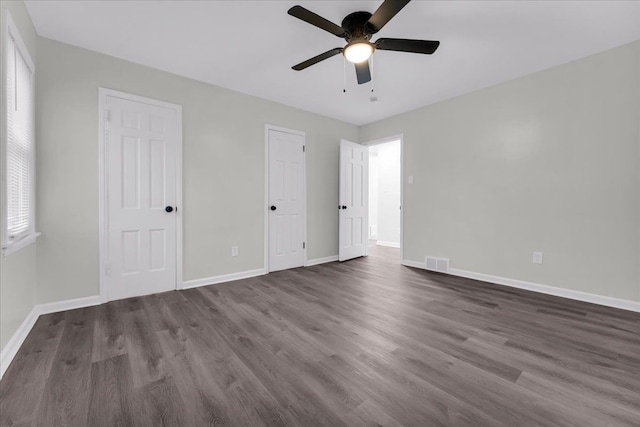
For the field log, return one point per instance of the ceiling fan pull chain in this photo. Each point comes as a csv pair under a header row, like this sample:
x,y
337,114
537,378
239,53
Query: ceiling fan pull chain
x,y
373,73
344,74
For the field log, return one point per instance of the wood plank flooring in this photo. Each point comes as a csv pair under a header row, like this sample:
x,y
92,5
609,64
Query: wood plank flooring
x,y
366,342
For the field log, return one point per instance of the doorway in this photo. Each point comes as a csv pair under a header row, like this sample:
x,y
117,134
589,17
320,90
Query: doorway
x,y
286,199
385,193
140,195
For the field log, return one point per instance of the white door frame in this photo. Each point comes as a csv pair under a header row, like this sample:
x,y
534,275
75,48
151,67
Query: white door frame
x,y
383,141
102,182
267,128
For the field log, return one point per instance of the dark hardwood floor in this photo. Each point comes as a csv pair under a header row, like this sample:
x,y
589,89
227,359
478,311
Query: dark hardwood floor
x,y
366,342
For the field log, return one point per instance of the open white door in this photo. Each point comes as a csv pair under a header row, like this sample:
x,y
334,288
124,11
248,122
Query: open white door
x,y
353,203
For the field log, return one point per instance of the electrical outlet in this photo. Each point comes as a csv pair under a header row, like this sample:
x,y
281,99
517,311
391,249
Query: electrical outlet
x,y
234,251
410,180
537,258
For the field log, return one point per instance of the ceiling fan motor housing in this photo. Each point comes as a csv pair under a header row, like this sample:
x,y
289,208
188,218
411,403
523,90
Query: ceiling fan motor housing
x,y
358,27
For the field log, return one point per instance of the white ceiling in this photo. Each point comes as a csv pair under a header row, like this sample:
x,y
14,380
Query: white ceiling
x,y
250,46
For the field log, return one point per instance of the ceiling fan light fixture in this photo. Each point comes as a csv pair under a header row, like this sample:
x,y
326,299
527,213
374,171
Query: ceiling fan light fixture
x,y
357,29
359,51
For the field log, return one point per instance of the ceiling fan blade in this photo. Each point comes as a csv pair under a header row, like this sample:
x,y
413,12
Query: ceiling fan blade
x,y
316,59
362,72
385,12
408,45
314,19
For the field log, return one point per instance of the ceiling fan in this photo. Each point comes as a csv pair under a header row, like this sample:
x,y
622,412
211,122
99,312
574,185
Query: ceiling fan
x,y
357,29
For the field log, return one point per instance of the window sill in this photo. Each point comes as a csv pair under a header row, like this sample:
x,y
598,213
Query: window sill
x,y
9,248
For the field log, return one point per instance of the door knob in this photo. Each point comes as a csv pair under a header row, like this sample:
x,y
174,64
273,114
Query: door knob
x,y
339,207
169,209
273,208
344,207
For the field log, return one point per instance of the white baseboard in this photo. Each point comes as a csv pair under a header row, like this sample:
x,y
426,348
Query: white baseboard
x,y
536,287
317,261
11,349
14,344
246,274
414,264
222,278
70,304
389,244
550,290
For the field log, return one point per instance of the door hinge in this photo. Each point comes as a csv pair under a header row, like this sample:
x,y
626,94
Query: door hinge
x,y
304,245
107,270
303,148
108,115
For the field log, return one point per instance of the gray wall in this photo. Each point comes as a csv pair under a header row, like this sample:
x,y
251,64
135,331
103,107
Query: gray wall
x,y
17,270
223,167
549,162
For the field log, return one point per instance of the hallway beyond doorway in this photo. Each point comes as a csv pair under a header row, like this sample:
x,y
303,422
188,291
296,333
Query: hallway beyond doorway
x,y
385,193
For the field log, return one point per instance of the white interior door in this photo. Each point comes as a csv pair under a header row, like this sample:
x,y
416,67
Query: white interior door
x,y
141,152
354,165
286,200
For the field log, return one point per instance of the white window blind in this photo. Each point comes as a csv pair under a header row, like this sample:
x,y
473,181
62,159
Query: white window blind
x,y
20,144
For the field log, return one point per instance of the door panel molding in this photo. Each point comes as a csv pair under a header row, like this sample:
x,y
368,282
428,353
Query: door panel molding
x,y
267,205
103,94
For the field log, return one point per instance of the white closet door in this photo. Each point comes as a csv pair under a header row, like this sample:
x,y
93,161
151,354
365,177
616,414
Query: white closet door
x,y
141,190
286,200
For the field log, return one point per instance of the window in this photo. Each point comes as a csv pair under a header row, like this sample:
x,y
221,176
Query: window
x,y
19,227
